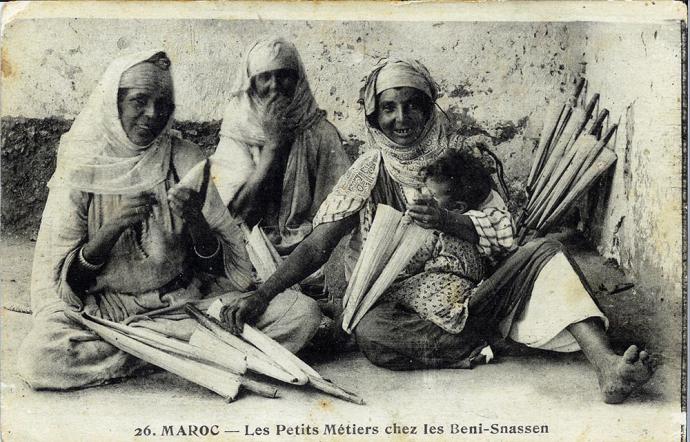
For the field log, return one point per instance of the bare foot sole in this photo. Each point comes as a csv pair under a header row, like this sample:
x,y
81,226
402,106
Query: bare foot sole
x,y
625,374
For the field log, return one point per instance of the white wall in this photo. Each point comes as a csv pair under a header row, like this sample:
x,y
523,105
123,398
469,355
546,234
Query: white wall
x,y
510,72
638,73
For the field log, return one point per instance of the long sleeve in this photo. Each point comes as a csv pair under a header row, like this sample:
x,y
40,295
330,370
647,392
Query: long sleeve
x,y
494,225
238,268
63,230
231,166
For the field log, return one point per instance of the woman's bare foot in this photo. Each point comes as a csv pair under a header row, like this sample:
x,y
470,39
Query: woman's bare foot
x,y
624,374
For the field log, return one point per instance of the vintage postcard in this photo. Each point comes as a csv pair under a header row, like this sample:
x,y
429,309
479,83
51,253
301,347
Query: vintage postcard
x,y
343,221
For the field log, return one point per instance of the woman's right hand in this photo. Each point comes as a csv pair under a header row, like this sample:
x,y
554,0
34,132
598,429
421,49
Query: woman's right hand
x,y
133,210
274,122
279,139
243,309
426,213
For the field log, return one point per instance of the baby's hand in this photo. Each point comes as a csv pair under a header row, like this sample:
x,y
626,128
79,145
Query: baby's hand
x,y
406,219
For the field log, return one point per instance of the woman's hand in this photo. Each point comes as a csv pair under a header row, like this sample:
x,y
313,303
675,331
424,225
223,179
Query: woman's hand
x,y
276,129
186,203
279,139
242,309
427,214
111,307
133,210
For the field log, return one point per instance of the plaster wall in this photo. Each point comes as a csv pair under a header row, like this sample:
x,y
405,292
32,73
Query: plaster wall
x,y
637,71
496,79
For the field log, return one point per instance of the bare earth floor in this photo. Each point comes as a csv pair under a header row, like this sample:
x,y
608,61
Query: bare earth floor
x,y
554,390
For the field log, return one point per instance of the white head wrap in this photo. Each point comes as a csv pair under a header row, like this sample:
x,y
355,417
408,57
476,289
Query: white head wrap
x,y
96,155
405,163
242,117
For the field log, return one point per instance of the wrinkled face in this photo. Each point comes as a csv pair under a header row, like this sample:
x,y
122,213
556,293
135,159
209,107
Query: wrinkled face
x,y
442,191
144,112
278,82
402,114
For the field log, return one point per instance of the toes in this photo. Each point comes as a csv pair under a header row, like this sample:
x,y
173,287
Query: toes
x,y
652,364
631,354
644,356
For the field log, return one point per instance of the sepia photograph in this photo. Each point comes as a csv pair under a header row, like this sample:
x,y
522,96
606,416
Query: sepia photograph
x,y
343,221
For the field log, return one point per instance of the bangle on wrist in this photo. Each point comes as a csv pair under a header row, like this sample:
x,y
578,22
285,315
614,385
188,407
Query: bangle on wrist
x,y
86,264
212,255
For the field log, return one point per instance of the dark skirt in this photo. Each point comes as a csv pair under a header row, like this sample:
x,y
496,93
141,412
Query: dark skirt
x,y
397,338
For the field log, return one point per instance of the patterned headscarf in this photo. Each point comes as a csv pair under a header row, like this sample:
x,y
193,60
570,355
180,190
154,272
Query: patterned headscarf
x,y
242,117
405,163
96,155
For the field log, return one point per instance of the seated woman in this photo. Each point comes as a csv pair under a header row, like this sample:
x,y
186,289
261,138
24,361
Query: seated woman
x,y
536,296
119,237
278,156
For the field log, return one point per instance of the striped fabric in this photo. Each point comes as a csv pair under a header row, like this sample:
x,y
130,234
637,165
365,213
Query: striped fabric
x,y
494,225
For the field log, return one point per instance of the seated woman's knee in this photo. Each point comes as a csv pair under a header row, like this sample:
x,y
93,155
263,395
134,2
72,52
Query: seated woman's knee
x,y
34,367
370,340
307,310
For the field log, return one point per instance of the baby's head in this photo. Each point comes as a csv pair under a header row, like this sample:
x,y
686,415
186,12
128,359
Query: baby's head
x,y
457,181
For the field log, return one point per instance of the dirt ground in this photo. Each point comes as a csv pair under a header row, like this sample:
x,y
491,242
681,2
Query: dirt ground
x,y
557,390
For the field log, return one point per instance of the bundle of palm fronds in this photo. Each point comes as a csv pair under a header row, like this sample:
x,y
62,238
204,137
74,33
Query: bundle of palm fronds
x,y
215,358
391,242
571,155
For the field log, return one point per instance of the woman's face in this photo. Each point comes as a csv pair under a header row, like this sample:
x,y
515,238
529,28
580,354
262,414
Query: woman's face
x,y
402,113
278,82
144,112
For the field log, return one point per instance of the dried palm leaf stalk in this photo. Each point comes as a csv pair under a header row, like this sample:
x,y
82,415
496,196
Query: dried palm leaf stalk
x,y
376,251
215,379
257,361
566,163
390,245
278,355
413,238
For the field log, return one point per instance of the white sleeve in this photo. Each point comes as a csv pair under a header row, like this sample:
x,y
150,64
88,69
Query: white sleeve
x,y
231,166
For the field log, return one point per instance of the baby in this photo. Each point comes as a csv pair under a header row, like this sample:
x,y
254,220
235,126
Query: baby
x,y
438,281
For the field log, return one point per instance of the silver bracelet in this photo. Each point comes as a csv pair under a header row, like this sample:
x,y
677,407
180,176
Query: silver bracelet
x,y
86,264
212,255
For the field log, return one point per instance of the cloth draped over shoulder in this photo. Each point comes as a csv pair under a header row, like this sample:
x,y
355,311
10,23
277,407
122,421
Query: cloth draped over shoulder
x,y
98,166
316,159
383,173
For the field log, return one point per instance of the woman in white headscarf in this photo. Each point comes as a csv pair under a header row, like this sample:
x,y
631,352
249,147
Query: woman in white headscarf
x,y
121,236
536,296
278,156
